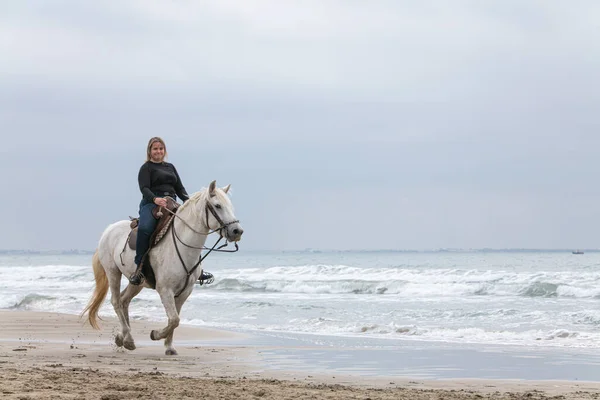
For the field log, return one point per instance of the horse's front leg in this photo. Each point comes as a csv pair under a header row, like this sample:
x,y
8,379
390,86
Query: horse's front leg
x,y
170,351
168,299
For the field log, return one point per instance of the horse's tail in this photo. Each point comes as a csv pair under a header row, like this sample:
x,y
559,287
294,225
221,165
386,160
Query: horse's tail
x,y
99,292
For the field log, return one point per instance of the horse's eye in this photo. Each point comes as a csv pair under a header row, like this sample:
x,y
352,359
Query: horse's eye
x,y
217,206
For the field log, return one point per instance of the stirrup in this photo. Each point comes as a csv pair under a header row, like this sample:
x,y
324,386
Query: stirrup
x,y
206,278
137,278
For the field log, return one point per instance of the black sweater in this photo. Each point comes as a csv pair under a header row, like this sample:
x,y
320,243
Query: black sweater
x,y
159,180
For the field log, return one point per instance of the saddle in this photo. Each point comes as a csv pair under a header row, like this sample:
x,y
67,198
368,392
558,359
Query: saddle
x,y
165,219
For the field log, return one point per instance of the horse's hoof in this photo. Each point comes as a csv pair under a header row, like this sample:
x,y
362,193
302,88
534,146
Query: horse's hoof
x,y
119,340
154,335
129,345
171,352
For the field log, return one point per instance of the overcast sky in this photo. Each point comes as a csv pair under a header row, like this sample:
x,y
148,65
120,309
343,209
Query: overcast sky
x,y
340,124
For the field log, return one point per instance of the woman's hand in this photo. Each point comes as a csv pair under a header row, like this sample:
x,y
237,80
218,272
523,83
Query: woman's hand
x,y
160,201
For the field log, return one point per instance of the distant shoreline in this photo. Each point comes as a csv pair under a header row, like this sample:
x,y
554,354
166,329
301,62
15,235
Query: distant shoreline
x,y
317,251
46,252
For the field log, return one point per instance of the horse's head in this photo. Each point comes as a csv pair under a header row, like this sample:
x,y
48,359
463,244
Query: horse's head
x,y
219,213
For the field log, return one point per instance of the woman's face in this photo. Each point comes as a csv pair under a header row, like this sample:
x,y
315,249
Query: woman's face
x,y
157,152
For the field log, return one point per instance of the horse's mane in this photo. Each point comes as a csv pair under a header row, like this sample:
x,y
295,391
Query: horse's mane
x,y
201,195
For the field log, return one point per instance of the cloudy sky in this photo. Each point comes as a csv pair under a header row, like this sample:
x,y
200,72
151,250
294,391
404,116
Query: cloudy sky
x,y
340,124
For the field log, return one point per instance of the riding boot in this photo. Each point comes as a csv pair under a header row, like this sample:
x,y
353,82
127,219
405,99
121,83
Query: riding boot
x,y
138,277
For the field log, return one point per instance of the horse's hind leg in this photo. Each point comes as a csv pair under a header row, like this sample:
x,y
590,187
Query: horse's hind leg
x,y
124,337
114,279
126,295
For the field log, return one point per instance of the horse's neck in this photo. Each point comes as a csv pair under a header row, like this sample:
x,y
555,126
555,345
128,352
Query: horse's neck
x,y
193,236
195,224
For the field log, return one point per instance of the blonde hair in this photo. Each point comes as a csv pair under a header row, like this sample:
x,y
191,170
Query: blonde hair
x,y
151,142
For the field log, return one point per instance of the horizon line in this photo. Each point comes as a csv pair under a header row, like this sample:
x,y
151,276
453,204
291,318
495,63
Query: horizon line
x,y
309,249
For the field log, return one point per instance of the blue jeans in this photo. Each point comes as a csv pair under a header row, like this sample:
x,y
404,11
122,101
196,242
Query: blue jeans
x,y
146,228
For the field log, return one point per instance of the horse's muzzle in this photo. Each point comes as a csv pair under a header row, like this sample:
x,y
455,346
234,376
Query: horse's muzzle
x,y
233,232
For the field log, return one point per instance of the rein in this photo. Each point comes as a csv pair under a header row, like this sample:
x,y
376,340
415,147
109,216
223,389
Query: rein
x,y
176,238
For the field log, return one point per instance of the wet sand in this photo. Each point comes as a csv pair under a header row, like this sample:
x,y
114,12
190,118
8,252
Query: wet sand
x,y
57,356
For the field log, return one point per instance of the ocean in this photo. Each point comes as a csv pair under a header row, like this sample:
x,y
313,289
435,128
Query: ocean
x,y
356,299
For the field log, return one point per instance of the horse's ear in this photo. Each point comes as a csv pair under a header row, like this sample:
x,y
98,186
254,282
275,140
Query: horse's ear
x,y
226,188
211,188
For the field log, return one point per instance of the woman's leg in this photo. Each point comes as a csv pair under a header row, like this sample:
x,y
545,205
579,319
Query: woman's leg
x,y
146,227
145,230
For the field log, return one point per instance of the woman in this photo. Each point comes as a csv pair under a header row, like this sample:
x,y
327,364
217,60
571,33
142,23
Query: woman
x,y
157,179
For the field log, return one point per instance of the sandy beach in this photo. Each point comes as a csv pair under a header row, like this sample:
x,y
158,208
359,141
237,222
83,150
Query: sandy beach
x,y
57,356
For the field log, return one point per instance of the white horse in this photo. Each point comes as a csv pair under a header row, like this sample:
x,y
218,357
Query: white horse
x,y
173,261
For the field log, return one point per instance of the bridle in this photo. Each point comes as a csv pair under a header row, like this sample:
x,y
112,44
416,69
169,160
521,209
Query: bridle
x,y
222,225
